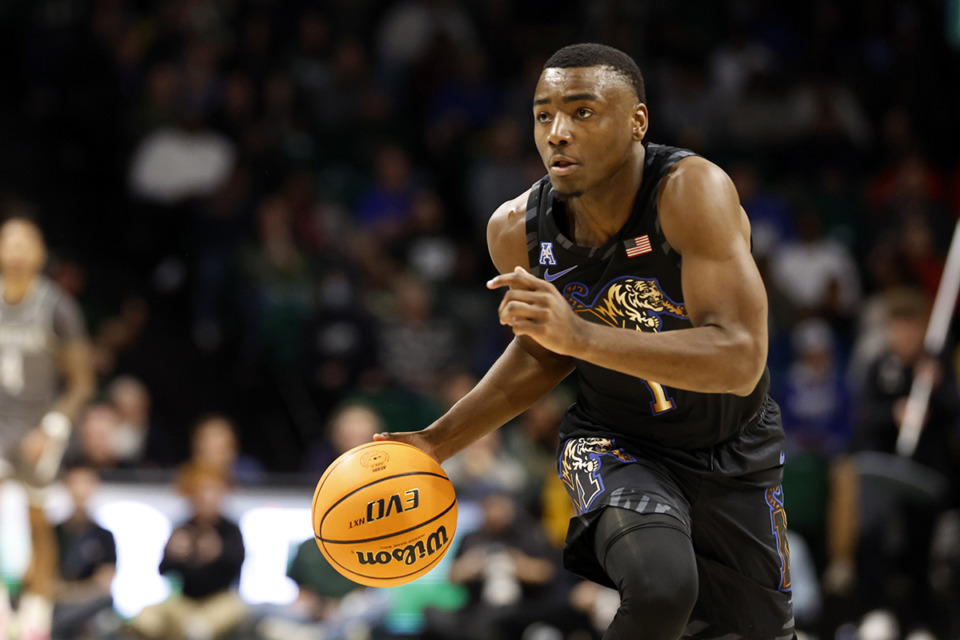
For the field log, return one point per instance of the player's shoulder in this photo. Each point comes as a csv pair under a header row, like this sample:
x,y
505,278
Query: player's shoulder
x,y
52,291
698,205
511,212
694,172
506,233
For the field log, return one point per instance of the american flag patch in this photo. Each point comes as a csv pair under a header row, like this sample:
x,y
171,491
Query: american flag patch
x,y
638,246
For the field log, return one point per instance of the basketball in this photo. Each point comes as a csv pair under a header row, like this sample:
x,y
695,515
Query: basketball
x,y
384,513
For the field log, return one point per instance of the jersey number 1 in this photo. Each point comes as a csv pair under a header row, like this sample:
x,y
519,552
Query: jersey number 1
x,y
661,401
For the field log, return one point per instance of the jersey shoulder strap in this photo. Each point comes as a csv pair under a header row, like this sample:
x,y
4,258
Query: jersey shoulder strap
x,y
534,213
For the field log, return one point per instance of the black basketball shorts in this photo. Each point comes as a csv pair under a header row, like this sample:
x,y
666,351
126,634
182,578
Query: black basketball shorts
x,y
727,499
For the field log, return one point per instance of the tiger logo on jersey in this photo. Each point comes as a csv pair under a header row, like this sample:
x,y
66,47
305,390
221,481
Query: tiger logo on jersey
x,y
626,302
580,468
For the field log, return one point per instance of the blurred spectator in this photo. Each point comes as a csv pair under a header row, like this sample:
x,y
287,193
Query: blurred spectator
x,y
328,605
204,554
350,426
733,63
278,289
220,227
897,520
817,414
214,444
157,108
534,439
418,343
462,102
97,437
485,467
829,123
816,401
835,197
507,568
175,163
337,106
909,178
755,120
385,207
688,114
88,564
309,64
201,86
409,28
138,441
771,220
499,175
340,342
428,249
818,274
320,223
598,604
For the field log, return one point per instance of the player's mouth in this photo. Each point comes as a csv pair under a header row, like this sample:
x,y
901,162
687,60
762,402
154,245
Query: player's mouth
x,y
562,165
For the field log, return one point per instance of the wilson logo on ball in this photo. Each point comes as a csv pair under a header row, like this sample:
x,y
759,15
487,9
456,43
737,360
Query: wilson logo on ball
x,y
408,554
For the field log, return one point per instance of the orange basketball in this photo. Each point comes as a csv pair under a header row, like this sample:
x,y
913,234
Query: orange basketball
x,y
384,513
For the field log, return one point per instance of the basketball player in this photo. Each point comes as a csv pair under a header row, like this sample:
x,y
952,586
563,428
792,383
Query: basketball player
x,y
630,264
43,347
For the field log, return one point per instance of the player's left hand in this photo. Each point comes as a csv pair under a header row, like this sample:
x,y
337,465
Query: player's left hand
x,y
533,307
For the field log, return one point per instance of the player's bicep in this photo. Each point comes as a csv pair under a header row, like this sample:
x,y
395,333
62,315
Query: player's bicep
x,y
703,221
726,292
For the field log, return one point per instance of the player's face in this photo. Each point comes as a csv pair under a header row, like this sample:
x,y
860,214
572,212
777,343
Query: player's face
x,y
21,249
587,123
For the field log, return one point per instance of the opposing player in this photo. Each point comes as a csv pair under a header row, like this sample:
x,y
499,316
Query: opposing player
x,y
46,377
630,264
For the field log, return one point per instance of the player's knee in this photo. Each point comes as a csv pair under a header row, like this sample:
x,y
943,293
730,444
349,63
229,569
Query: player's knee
x,y
654,568
662,601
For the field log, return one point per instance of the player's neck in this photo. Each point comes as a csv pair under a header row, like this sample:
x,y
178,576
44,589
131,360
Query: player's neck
x,y
598,214
16,288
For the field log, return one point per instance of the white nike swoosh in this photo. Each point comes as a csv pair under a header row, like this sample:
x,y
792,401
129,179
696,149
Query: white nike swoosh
x,y
550,277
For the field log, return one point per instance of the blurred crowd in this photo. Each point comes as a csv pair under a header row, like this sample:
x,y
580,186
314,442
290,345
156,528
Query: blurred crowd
x,y
272,213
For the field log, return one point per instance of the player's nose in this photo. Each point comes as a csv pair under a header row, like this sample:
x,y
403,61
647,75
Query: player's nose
x,y
560,133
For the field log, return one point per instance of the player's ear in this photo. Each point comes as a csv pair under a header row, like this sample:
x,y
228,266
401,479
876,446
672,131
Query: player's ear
x,y
640,121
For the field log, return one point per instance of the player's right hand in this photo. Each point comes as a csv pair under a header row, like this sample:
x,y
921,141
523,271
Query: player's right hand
x,y
414,438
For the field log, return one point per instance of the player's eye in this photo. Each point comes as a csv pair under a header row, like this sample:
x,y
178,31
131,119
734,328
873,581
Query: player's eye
x,y
583,112
542,116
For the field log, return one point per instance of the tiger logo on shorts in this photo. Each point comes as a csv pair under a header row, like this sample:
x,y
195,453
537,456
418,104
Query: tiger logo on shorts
x,y
580,468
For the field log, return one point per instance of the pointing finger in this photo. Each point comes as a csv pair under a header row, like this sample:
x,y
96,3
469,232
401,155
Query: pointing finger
x,y
520,277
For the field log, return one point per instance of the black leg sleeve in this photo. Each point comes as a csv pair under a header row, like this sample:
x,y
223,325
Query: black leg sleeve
x,y
655,570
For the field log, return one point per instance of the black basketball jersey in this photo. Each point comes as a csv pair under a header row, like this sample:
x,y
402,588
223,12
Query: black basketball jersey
x,y
632,282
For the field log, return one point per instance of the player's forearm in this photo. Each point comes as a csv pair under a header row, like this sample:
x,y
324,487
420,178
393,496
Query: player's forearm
x,y
71,403
516,381
707,359
80,380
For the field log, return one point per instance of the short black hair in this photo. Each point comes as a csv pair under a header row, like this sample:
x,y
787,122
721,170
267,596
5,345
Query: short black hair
x,y
591,54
